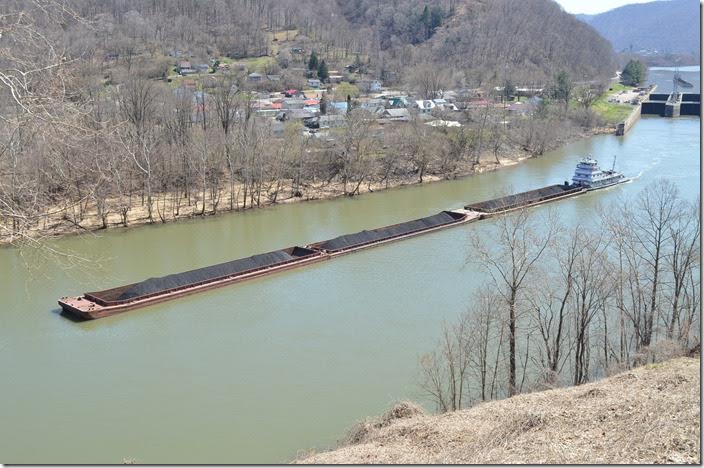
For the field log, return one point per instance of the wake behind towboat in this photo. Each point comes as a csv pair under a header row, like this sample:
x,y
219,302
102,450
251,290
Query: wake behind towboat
x,y
99,304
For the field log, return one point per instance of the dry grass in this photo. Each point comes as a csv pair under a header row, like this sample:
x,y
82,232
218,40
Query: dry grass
x,y
647,415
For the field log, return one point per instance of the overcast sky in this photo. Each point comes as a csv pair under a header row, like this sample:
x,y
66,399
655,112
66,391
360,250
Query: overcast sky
x,y
594,6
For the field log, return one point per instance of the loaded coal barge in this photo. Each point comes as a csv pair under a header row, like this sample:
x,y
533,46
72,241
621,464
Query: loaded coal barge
x,y
99,304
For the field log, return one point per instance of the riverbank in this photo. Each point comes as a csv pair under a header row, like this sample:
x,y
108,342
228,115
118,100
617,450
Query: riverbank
x,y
646,415
85,217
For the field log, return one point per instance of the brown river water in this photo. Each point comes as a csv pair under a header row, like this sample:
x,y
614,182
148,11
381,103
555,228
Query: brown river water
x,y
253,372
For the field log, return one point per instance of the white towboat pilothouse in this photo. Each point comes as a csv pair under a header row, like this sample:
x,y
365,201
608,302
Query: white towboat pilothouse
x,y
591,177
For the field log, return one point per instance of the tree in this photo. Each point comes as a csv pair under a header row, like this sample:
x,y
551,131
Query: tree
x,y
345,89
138,106
323,74
313,61
323,105
633,73
562,88
509,258
587,95
509,89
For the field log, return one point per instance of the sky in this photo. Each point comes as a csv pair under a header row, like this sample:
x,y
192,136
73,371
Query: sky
x,y
594,6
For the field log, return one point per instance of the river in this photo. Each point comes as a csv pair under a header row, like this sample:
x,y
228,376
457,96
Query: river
x,y
662,76
253,372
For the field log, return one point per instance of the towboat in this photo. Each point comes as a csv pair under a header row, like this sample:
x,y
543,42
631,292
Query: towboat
x,y
590,176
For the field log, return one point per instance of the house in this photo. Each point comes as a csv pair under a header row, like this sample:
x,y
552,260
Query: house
x,y
297,50
254,77
314,83
443,104
291,92
184,68
202,68
528,91
424,106
398,102
273,78
335,79
313,93
294,114
337,107
267,112
443,123
372,105
294,103
326,121
396,115
369,86
332,121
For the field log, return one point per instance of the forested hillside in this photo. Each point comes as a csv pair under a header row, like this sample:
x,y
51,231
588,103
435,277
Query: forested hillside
x,y
663,26
484,40
121,111
467,41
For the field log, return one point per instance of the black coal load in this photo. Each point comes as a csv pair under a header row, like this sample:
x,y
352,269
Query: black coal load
x,y
365,237
187,278
522,199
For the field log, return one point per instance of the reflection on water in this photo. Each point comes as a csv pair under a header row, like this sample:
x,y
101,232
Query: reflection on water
x,y
256,371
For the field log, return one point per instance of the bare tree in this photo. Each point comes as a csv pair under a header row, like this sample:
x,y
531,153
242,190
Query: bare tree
x,y
138,107
509,258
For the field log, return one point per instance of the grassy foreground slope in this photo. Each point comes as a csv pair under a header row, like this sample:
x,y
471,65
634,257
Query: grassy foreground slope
x,y
646,415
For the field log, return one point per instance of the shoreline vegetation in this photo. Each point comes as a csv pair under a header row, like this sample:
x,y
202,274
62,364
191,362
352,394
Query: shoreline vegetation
x,y
60,221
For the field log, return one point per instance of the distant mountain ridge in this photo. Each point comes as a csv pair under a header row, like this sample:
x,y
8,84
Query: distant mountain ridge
x,y
665,26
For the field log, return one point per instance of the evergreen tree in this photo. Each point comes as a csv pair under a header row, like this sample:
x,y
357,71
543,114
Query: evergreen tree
x,y
634,73
509,89
323,71
313,61
562,88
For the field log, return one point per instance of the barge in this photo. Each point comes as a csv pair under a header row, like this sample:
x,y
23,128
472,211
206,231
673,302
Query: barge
x,y
522,200
99,304
112,301
365,239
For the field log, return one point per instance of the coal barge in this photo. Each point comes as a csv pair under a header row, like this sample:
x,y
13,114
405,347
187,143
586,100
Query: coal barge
x,y
112,301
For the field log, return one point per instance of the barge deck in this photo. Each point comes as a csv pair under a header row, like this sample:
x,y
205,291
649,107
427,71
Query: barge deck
x,y
522,200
